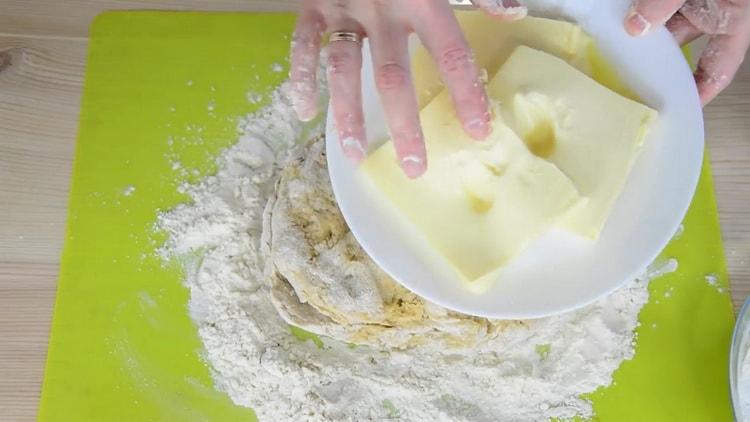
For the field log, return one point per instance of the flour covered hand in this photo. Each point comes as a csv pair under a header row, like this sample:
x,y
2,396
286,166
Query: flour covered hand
x,y
387,25
726,22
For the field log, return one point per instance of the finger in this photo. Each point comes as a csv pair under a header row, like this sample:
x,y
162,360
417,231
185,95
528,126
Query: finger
x,y
393,80
456,65
645,14
719,63
345,86
715,16
682,30
504,9
304,63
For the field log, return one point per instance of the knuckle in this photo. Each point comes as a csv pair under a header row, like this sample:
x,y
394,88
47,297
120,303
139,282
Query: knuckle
x,y
471,106
469,99
303,81
717,20
305,41
455,59
304,66
303,75
308,33
406,135
348,121
340,62
391,76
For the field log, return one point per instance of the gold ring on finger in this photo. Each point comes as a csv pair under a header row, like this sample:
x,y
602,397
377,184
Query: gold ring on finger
x,y
345,36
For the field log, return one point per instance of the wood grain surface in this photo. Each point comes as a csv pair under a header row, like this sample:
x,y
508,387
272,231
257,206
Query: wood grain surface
x,y
42,59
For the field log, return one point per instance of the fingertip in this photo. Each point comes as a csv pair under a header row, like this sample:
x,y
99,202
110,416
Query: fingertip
x,y
636,24
713,76
706,96
513,14
411,152
306,112
507,10
708,88
305,108
354,149
478,128
509,15
520,12
413,165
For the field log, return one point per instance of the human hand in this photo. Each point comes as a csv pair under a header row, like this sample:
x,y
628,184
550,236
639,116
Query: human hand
x,y
726,22
387,25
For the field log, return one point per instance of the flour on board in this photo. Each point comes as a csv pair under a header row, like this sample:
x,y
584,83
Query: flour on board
x,y
439,366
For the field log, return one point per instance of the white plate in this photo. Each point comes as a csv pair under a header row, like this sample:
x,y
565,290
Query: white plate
x,y
737,354
559,272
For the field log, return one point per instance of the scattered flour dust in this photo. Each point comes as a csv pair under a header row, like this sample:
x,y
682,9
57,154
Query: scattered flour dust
x,y
532,370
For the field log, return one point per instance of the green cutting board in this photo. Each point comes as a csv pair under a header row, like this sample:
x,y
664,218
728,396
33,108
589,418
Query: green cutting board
x,y
164,86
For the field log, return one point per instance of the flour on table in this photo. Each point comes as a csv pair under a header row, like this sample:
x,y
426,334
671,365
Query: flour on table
x,y
129,190
247,277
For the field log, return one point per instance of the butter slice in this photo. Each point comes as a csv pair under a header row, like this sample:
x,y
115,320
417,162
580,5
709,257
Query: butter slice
x,y
492,41
589,132
480,202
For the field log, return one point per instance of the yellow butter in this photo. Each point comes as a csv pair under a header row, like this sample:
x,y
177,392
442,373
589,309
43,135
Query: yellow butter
x,y
591,133
492,41
559,155
480,202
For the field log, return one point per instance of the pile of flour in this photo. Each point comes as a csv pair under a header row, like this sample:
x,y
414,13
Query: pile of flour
x,y
531,370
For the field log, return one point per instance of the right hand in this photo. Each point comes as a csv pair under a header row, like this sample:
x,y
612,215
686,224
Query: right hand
x,y
726,22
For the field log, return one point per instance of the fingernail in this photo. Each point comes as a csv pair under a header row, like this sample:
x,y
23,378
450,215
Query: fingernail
x,y
636,24
511,8
413,166
305,115
478,128
353,149
305,112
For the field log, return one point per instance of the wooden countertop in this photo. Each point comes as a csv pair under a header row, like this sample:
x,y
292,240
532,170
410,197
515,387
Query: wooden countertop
x,y
42,59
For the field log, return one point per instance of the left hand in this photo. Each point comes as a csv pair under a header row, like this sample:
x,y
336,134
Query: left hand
x,y
726,22
387,24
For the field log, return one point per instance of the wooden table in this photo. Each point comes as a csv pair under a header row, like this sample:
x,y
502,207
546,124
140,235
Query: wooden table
x,y
42,60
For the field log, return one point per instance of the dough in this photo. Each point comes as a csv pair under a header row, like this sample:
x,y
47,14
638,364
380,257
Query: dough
x,y
321,280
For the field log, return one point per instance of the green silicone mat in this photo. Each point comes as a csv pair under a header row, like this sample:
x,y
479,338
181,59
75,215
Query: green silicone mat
x,y
162,86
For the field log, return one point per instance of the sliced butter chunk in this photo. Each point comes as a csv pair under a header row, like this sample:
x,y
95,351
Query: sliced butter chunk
x,y
591,133
492,41
479,203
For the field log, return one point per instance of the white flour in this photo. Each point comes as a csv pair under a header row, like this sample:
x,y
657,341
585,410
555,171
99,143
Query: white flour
x,y
532,370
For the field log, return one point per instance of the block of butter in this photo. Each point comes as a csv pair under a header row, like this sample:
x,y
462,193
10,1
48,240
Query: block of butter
x,y
493,41
590,133
559,154
480,202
